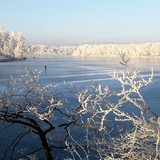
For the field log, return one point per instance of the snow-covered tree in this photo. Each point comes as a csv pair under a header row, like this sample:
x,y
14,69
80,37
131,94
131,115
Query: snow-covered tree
x,y
17,46
113,131
20,48
4,38
40,113
12,44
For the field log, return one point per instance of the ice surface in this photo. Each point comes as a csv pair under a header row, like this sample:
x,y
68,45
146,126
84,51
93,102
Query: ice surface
x,y
82,72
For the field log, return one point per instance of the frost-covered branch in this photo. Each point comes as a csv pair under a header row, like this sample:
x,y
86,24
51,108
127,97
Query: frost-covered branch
x,y
105,123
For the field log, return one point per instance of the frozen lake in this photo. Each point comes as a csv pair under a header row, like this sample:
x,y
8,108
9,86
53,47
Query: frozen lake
x,y
60,69
83,71
72,69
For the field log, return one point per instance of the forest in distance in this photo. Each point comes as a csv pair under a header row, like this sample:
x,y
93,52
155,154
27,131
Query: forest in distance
x,y
93,50
14,45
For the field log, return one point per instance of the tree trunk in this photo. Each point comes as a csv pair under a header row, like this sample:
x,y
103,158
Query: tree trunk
x,y
46,148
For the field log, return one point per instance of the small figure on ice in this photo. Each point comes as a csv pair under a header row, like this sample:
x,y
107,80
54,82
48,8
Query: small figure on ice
x,y
45,68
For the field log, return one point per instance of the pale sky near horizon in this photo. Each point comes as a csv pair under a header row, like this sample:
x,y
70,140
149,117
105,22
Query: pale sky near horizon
x,y
70,22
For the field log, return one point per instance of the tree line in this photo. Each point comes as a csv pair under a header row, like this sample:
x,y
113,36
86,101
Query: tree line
x,y
142,49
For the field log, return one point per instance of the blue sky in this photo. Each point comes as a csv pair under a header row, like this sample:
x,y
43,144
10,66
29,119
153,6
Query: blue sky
x,y
69,22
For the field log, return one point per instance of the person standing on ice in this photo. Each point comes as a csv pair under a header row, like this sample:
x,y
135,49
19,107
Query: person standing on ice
x,y
45,68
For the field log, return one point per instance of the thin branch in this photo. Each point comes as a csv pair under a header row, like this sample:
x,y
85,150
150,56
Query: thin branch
x,y
13,149
6,127
18,138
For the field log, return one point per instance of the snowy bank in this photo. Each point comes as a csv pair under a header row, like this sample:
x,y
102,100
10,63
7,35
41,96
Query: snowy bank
x,y
10,59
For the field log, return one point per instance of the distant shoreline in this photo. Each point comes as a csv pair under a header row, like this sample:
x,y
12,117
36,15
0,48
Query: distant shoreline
x,y
93,56
11,59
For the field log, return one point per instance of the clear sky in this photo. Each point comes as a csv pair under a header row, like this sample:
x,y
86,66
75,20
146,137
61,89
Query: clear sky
x,y
69,22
